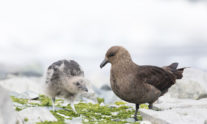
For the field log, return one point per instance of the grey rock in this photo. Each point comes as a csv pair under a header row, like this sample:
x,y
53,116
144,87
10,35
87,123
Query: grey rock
x,y
30,95
7,113
29,70
172,103
177,111
130,120
192,86
22,84
28,74
145,122
202,96
3,75
175,116
117,120
77,120
25,95
106,87
88,97
109,97
205,122
36,114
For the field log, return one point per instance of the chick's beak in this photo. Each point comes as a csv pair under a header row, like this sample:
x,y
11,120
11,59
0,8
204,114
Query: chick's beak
x,y
85,89
105,61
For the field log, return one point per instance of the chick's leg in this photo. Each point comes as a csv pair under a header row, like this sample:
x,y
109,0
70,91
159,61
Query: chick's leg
x,y
73,107
53,103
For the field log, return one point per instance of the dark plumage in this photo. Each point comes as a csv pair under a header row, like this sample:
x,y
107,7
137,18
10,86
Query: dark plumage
x,y
65,79
138,84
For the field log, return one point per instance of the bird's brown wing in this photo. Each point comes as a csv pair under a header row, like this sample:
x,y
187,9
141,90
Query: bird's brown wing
x,y
156,76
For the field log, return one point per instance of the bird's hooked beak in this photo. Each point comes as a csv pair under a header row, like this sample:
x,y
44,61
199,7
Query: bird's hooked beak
x,y
105,61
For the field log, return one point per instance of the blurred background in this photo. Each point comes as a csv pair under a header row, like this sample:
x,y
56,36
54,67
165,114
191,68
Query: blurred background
x,y
34,34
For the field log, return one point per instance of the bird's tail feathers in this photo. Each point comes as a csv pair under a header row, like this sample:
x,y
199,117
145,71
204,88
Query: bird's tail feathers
x,y
177,72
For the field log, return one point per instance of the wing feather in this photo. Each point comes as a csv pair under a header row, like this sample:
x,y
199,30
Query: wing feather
x,y
156,76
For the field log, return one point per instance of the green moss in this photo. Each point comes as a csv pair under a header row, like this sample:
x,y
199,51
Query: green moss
x,y
58,117
144,106
26,119
90,113
18,109
45,101
19,100
120,103
94,113
100,100
50,122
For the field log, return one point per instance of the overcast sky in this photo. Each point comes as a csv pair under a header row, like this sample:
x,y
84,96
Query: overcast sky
x,y
152,30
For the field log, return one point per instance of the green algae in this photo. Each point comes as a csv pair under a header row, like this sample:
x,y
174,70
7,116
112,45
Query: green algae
x,y
117,113
100,100
19,100
94,114
144,106
50,122
45,101
18,109
120,103
26,119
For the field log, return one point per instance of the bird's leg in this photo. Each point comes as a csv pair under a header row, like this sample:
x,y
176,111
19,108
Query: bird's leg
x,y
73,107
150,106
53,104
135,114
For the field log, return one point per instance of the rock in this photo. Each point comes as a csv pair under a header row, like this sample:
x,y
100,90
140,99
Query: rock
x,y
25,95
175,116
109,97
145,122
7,113
177,111
104,92
193,84
36,114
202,96
87,98
205,122
106,87
30,95
77,120
34,69
130,120
3,76
172,103
152,116
117,120
22,84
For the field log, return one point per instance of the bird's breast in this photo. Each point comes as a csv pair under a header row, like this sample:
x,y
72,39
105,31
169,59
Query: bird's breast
x,y
121,86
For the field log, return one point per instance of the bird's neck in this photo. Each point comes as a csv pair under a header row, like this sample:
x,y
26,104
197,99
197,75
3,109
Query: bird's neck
x,y
124,66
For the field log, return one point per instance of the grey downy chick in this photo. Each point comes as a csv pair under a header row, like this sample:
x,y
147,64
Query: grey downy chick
x,y
65,79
